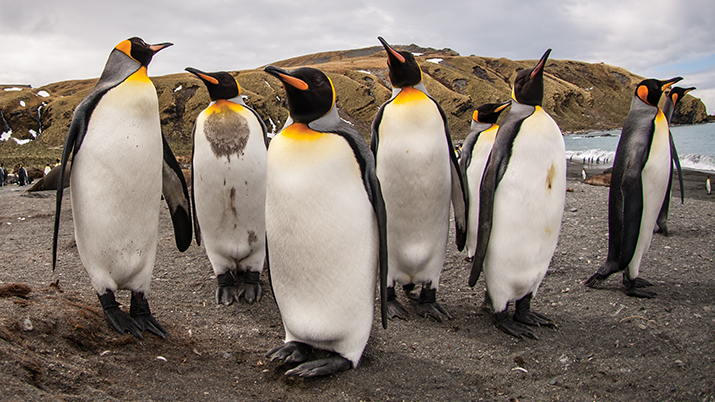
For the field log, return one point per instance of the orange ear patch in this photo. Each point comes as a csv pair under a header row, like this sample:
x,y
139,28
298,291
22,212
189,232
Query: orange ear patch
x,y
125,47
643,93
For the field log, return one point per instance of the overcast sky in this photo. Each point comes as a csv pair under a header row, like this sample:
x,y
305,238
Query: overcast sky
x,y
47,41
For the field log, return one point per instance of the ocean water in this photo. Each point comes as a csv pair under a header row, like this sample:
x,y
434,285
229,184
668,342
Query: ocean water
x,y
695,145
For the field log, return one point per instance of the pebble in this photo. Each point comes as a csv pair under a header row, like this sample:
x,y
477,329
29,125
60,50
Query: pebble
x,y
27,325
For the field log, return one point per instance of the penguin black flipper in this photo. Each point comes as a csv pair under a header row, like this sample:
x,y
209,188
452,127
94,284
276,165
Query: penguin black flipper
x,y
493,173
366,161
374,140
197,228
676,160
177,197
460,201
118,68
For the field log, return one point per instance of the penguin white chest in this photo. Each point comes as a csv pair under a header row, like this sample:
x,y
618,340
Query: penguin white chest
x,y
528,206
413,165
323,241
116,187
475,171
229,177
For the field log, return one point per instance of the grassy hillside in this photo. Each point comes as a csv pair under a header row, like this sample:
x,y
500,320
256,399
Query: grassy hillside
x,y
580,96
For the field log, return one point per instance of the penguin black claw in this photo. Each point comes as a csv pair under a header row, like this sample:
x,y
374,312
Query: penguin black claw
x,y
525,315
634,288
227,290
116,317
141,314
511,327
321,367
428,306
290,352
394,308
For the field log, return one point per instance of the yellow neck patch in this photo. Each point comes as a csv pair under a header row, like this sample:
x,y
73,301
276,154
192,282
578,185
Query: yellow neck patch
x,y
409,94
222,105
139,76
300,131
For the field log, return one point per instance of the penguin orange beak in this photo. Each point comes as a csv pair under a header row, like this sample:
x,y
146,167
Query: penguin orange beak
x,y
160,46
503,106
540,65
670,82
202,75
286,78
391,51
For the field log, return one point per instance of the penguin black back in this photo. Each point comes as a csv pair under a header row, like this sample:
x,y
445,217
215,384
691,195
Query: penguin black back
x,y
309,92
404,70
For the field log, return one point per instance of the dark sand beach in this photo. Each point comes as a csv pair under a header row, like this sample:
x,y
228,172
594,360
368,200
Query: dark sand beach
x,y
55,344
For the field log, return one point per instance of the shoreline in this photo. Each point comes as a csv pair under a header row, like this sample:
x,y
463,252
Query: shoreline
x,y
693,180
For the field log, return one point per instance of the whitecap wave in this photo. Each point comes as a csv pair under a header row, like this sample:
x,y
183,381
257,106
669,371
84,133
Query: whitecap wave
x,y
591,156
701,163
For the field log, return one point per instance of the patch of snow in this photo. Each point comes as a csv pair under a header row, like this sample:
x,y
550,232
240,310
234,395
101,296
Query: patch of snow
x,y
43,94
417,54
6,136
273,128
365,71
20,142
435,61
244,97
13,89
279,98
269,85
33,133
177,89
22,103
347,122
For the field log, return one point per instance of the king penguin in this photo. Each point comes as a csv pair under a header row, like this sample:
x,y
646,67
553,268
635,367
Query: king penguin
x,y
521,201
325,221
641,172
671,101
228,190
420,177
475,152
117,180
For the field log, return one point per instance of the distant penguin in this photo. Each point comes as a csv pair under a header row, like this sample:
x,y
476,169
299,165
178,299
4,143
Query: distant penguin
x,y
325,220
521,203
420,177
671,101
475,152
707,185
584,176
228,188
115,137
641,172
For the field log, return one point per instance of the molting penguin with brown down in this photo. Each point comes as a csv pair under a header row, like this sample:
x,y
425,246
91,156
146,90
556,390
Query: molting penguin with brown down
x,y
641,172
228,191
420,178
325,223
115,136
520,220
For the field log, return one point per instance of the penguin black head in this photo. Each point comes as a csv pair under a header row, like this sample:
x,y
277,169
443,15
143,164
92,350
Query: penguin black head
x,y
529,83
139,50
650,90
677,93
489,112
310,92
404,70
221,85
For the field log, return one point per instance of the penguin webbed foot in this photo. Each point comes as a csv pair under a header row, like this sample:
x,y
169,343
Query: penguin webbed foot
x,y
290,352
635,288
428,306
250,288
662,230
601,275
315,368
394,308
141,314
511,327
525,315
227,291
116,317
